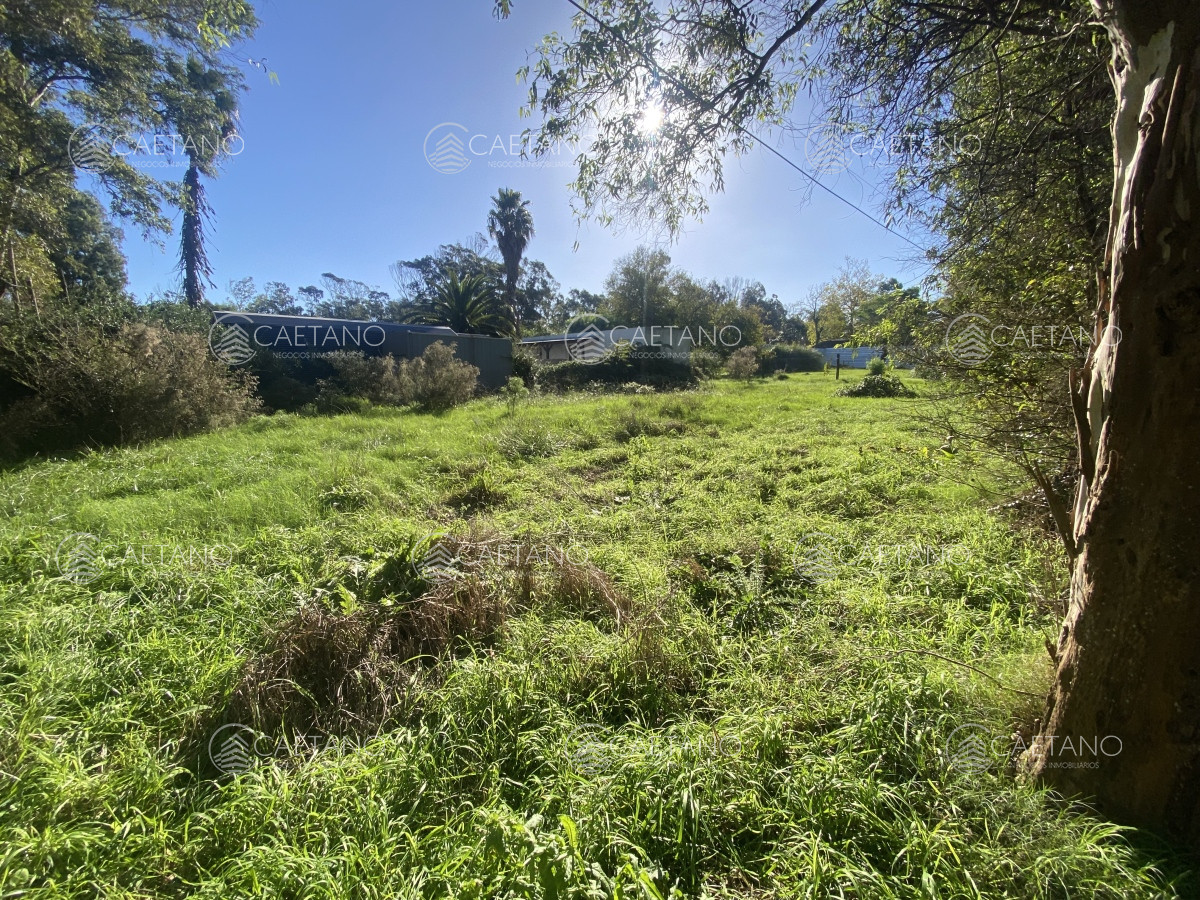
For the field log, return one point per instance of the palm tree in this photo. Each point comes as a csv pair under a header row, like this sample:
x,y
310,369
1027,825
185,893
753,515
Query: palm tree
x,y
511,224
467,305
193,257
199,103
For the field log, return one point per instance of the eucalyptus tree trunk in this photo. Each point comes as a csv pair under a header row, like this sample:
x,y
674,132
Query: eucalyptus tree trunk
x,y
1126,696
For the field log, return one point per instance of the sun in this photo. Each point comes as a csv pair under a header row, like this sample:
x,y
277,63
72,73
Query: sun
x,y
653,117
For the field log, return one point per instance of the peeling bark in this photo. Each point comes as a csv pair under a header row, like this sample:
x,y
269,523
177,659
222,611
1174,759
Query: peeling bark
x,y
1129,651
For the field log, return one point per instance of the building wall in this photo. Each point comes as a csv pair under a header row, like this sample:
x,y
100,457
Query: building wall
x,y
493,356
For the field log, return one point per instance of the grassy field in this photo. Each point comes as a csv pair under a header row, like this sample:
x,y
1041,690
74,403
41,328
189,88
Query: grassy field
x,y
696,644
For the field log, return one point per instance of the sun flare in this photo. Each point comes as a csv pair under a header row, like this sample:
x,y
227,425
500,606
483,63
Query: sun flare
x,y
652,118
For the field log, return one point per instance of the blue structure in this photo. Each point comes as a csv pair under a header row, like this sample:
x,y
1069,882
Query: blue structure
x,y
852,357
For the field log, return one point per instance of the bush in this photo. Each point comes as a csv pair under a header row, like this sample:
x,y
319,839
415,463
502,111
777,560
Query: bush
x,y
435,380
523,364
374,378
705,363
652,367
877,366
81,383
743,363
172,313
877,386
791,358
513,392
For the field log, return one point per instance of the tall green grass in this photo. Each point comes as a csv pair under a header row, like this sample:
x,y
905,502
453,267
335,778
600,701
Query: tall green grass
x,y
744,726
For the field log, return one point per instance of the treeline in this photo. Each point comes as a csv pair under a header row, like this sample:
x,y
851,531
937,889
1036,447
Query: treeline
x,y
643,288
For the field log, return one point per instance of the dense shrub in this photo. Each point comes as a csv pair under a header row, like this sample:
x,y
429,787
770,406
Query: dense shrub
x,y
374,378
523,364
877,366
286,383
79,383
435,380
791,358
651,367
705,363
877,386
743,363
172,313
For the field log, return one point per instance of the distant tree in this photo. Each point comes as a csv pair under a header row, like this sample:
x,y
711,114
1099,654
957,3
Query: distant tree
x,y
849,291
241,293
418,280
581,301
689,303
894,319
511,224
751,294
115,63
577,302
770,311
737,326
347,298
824,316
637,292
310,297
732,289
795,329
467,305
537,292
277,299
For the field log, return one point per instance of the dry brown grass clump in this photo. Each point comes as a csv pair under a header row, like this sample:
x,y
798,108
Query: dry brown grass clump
x,y
328,671
577,588
332,672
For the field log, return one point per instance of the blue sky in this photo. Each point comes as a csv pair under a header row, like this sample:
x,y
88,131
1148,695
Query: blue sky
x,y
333,175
